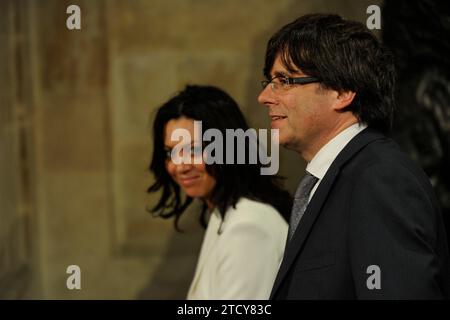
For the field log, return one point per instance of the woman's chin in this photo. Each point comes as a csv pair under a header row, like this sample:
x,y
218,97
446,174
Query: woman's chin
x,y
193,192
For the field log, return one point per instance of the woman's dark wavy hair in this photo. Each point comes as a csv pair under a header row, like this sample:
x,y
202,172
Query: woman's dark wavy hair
x,y
216,109
344,55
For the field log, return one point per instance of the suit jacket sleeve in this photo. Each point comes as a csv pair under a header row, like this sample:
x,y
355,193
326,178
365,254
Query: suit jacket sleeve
x,y
393,227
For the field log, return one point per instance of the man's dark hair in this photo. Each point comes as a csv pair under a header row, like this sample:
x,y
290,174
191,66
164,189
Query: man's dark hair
x,y
344,55
216,109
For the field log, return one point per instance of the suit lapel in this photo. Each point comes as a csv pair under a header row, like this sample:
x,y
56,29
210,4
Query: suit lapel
x,y
313,210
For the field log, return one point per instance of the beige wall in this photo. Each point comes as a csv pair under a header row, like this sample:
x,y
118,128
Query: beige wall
x,y
86,106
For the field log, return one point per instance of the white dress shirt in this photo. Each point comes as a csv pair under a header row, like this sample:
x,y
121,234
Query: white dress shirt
x,y
323,159
240,256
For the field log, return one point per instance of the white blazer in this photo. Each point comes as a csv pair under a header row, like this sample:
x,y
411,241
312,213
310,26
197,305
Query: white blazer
x,y
239,258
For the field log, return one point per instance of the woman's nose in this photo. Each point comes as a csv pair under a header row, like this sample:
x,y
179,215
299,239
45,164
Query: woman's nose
x,y
183,167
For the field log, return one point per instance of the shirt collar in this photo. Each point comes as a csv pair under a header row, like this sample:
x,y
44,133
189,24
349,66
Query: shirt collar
x,y
322,161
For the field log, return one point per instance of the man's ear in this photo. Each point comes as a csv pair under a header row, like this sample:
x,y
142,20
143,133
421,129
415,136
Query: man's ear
x,y
344,98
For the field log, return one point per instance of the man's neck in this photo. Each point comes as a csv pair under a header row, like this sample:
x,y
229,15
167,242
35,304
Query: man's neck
x,y
309,153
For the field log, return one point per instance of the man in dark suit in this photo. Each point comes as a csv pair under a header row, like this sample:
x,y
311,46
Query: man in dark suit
x,y
365,222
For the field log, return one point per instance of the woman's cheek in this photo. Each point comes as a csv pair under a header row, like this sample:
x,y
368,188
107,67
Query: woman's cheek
x,y
170,167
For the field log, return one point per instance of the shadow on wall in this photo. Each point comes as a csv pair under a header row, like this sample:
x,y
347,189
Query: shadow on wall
x,y
422,119
172,277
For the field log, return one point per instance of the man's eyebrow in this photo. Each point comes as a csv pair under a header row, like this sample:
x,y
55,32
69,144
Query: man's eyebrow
x,y
277,74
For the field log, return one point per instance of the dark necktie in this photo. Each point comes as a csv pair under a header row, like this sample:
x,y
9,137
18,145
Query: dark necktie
x,y
301,201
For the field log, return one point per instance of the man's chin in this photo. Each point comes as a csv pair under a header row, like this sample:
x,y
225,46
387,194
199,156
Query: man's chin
x,y
287,144
283,142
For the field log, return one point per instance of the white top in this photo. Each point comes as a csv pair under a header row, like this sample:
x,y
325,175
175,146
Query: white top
x,y
322,161
241,260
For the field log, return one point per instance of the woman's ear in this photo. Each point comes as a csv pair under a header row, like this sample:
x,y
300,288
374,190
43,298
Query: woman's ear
x,y
344,99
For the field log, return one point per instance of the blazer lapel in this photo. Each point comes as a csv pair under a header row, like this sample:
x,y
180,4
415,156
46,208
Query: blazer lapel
x,y
313,210
208,244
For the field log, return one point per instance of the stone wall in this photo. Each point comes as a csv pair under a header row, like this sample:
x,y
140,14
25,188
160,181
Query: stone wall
x,y
19,261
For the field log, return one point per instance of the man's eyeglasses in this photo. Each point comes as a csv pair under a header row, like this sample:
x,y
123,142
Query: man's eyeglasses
x,y
281,82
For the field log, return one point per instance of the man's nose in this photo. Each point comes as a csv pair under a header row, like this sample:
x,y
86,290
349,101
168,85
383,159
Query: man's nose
x,y
266,96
